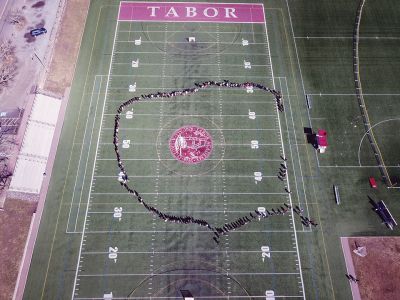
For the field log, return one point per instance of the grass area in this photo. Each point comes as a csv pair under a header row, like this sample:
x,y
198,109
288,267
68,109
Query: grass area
x,y
84,191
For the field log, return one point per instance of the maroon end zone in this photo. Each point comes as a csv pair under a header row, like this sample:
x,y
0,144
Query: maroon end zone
x,y
191,12
191,144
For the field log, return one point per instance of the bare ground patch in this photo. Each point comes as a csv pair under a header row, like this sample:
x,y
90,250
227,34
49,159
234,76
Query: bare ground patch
x,y
379,271
66,49
15,220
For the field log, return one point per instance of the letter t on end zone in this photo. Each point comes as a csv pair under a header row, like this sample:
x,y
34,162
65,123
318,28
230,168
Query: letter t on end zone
x,y
153,10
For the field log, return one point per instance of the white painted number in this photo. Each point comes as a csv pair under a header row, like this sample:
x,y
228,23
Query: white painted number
x,y
132,87
249,89
257,177
269,295
126,143
113,253
247,64
252,115
118,213
265,252
129,114
108,296
138,42
254,144
135,63
245,42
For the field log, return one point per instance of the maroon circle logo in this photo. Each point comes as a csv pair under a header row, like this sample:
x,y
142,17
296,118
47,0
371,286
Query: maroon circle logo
x,y
191,144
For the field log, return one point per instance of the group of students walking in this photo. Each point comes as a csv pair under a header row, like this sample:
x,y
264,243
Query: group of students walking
x,y
227,227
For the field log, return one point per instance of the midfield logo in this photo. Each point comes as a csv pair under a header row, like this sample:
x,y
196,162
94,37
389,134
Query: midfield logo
x,y
191,144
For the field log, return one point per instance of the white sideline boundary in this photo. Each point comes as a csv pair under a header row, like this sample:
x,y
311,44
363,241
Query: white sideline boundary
x,y
94,164
287,177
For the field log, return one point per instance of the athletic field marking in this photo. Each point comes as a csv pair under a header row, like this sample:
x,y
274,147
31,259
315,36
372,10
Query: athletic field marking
x,y
80,156
93,170
180,115
69,160
178,64
210,53
192,193
192,252
308,113
215,144
349,37
174,298
287,178
210,159
184,274
351,94
183,31
175,211
290,148
190,176
179,231
298,153
185,43
355,167
186,201
205,101
87,158
190,76
208,129
365,134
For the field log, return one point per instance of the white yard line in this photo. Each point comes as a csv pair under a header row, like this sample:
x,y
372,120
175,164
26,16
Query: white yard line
x,y
80,155
348,37
184,274
179,231
210,159
189,115
208,129
350,94
174,298
180,176
192,193
185,43
88,155
94,164
191,252
298,152
210,53
302,291
291,152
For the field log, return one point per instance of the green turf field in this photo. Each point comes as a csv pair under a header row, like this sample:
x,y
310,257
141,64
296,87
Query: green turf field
x,y
84,250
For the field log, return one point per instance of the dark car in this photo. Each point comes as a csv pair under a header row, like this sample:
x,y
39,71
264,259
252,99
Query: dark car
x,y
38,31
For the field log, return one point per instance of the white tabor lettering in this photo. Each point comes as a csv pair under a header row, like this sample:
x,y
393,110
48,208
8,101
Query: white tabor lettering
x,y
191,12
153,10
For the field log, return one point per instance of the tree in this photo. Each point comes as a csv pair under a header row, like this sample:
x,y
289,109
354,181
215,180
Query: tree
x,y
7,142
8,63
17,18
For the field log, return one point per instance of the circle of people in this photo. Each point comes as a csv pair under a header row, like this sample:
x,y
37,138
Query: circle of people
x,y
227,227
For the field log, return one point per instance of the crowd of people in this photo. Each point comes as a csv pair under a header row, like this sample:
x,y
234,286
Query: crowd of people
x,y
227,227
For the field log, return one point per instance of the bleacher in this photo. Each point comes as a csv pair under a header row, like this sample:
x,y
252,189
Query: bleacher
x,y
32,159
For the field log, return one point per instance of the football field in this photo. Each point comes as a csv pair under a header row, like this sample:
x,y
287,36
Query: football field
x,y
214,155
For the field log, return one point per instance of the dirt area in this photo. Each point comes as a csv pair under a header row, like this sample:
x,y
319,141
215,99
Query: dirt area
x,y
14,222
62,66
379,271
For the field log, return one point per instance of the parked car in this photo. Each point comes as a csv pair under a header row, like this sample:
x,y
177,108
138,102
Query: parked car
x,y
38,31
